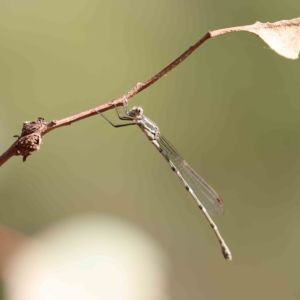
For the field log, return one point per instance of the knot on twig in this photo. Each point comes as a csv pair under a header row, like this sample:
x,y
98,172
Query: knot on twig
x,y
27,144
31,137
33,126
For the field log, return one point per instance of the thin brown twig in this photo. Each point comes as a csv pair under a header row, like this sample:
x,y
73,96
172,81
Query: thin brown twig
x,y
286,34
12,151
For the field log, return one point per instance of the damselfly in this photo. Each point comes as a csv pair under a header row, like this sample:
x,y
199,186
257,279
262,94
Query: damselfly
x,y
206,198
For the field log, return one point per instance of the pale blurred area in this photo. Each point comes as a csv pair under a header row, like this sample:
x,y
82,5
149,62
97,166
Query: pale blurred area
x,y
102,202
88,257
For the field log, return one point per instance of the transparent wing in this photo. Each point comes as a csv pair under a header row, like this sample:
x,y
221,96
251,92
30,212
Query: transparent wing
x,y
205,194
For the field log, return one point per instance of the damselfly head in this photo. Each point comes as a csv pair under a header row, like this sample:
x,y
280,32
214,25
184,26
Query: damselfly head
x,y
135,112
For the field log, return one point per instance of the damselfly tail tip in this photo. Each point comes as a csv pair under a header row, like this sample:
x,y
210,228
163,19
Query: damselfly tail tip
x,y
226,253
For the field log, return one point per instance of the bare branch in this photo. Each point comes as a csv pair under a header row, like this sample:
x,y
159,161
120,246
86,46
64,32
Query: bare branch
x,y
283,37
15,150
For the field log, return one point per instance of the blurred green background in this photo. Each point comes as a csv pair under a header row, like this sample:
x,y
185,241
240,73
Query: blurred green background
x,y
232,110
